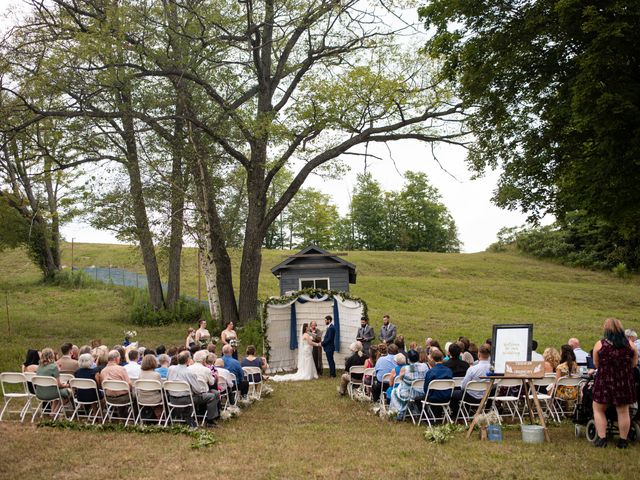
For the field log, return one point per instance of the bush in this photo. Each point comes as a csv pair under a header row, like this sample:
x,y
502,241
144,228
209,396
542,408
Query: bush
x,y
251,334
73,279
621,270
184,311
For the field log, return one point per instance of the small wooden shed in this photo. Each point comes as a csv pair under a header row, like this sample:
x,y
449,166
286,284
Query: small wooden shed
x,y
314,267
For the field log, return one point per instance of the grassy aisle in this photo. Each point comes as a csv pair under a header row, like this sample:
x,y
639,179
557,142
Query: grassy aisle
x,y
304,430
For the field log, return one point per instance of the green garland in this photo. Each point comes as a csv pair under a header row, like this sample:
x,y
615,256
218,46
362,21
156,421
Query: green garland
x,y
201,438
310,292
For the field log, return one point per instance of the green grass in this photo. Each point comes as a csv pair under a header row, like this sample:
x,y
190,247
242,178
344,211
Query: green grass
x,y
304,430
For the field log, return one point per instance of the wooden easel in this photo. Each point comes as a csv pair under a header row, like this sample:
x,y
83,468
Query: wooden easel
x,y
527,383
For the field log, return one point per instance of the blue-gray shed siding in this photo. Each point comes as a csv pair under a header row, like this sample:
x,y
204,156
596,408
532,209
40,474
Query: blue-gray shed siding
x,y
338,278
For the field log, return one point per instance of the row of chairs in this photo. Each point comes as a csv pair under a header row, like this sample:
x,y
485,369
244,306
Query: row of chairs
x,y
510,398
15,387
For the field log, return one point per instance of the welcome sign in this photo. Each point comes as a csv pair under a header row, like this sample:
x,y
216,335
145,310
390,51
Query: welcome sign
x,y
510,343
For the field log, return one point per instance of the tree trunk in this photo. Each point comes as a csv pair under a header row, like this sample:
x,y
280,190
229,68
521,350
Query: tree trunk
x,y
52,201
209,269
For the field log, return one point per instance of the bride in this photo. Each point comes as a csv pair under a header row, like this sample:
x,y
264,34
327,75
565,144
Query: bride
x,y
306,366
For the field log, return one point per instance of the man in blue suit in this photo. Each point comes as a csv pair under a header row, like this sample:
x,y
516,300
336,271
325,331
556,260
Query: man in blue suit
x,y
328,344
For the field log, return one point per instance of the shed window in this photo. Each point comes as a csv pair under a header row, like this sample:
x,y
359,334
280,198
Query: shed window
x,y
321,283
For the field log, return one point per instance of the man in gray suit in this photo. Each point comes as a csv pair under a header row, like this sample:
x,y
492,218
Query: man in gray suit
x,y
388,331
365,335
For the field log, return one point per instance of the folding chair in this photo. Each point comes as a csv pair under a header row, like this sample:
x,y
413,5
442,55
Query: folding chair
x,y
541,385
557,403
458,381
415,385
427,412
367,382
254,376
77,384
148,387
235,389
224,386
118,385
65,377
383,394
179,389
358,370
466,406
18,381
40,382
510,401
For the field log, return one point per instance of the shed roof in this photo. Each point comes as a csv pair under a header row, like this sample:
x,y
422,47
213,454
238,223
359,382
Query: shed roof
x,y
325,260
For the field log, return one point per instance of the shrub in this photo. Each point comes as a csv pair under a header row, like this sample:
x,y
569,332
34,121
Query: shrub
x,y
184,311
73,279
251,334
621,270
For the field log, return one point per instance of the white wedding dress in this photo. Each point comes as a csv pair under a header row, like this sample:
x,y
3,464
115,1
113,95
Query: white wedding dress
x,y
306,366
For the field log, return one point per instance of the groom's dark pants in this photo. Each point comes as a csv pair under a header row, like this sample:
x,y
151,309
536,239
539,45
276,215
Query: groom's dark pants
x,y
331,362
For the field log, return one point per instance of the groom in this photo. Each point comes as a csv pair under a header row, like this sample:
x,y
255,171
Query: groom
x,y
328,344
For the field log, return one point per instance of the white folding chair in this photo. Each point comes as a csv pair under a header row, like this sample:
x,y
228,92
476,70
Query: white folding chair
x,y
254,377
224,387
178,389
458,381
88,384
113,406
542,387
383,394
508,400
145,389
558,407
15,387
235,389
427,412
367,382
40,382
357,370
416,385
65,377
466,406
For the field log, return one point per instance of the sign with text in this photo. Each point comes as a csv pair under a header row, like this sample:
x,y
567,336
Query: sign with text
x,y
524,369
511,343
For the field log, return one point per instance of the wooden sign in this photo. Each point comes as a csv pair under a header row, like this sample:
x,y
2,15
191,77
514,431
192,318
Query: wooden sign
x,y
524,369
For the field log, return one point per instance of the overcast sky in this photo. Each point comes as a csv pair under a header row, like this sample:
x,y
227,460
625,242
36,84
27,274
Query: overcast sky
x,y
469,201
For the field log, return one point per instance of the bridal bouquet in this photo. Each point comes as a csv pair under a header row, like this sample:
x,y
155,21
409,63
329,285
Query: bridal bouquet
x,y
234,343
128,335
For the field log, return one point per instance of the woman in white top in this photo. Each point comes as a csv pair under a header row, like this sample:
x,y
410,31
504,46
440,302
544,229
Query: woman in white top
x,y
202,334
229,334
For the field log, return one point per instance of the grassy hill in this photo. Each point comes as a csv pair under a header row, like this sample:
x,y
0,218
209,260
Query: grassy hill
x,y
426,294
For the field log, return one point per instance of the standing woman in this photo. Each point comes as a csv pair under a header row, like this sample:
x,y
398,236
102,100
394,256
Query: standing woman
x,y
202,334
230,337
615,357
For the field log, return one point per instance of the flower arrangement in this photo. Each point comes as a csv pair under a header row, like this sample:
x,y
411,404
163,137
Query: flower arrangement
x,y
234,343
442,433
129,334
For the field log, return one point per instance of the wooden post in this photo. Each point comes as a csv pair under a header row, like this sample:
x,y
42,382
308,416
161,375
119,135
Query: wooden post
x,y
6,300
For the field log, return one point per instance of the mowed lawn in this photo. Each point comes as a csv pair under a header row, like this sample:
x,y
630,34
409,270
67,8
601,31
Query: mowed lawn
x,y
305,430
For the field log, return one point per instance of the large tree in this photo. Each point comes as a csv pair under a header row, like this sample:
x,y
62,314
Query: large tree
x,y
555,92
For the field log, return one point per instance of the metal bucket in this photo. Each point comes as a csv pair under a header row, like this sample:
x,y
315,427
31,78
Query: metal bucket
x,y
532,433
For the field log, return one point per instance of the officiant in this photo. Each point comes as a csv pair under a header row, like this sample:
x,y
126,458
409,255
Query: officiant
x,y
365,335
316,336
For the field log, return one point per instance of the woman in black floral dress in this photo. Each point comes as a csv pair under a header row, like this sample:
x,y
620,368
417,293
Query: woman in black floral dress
x,y
615,358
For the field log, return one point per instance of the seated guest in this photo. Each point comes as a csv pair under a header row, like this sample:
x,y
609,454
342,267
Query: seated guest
x,y
84,349
148,372
32,361
473,350
234,367
401,395
464,354
551,359
123,355
458,367
579,354
535,356
132,366
115,371
568,367
66,364
438,371
164,361
356,359
399,341
201,371
85,370
199,390
48,368
401,361
252,361
224,374
102,360
481,369
384,365
160,350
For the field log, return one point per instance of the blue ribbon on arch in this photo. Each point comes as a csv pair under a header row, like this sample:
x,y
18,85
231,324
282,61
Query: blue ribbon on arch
x,y
293,327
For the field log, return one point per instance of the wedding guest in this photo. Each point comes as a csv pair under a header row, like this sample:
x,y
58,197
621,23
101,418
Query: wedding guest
x,y
579,354
65,363
199,390
102,360
316,337
32,361
230,337
85,370
132,366
48,368
438,371
535,356
356,359
423,358
458,366
84,349
399,341
551,359
148,372
160,349
252,361
163,369
632,336
568,367
400,360
481,369
388,331
201,370
464,354
123,354
370,362
234,367
473,350
383,366
615,357
365,335
402,395
191,337
202,337
115,371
